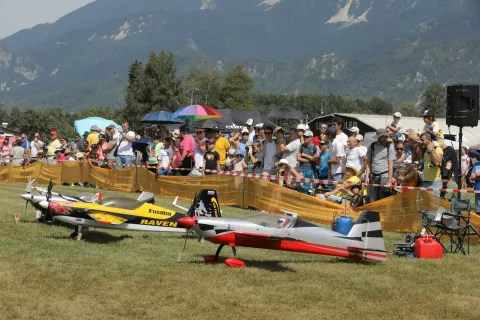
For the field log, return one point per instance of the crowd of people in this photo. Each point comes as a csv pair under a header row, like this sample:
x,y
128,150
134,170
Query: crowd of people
x,y
397,157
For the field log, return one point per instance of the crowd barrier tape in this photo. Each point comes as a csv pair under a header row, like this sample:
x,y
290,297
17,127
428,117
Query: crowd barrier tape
x,y
301,180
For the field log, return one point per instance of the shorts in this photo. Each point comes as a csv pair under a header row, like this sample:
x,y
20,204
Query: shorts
x,y
477,203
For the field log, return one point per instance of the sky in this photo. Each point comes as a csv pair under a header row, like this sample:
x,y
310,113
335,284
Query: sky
x,y
16,15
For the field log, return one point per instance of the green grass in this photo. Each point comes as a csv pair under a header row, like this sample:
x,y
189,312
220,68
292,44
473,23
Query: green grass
x,y
45,275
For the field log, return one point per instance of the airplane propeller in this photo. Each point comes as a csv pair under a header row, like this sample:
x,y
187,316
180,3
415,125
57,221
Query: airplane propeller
x,y
180,254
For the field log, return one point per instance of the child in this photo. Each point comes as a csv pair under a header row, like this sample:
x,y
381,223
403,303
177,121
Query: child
x,y
356,199
465,167
238,164
211,158
165,159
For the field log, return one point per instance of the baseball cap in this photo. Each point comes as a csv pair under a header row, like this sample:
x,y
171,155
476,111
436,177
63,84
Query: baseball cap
x,y
397,115
53,132
301,127
216,128
86,133
94,128
380,133
176,133
428,113
101,136
58,150
259,126
359,137
110,126
308,133
245,130
355,130
249,122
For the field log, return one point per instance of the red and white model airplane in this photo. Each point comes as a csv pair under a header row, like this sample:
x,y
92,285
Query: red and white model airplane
x,y
288,233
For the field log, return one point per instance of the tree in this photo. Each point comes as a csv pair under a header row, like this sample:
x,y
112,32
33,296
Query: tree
x,y
135,99
379,106
434,99
236,91
15,118
203,86
3,113
408,109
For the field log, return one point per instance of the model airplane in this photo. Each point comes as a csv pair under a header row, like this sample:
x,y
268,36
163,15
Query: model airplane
x,y
35,199
288,233
130,214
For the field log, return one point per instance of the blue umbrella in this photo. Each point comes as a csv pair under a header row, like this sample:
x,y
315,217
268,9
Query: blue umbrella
x,y
84,125
160,117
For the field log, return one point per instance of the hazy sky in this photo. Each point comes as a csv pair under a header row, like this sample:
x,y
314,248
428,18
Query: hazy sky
x,y
16,15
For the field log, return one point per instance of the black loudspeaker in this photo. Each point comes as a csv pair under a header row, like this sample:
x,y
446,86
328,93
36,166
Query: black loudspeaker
x,y
462,105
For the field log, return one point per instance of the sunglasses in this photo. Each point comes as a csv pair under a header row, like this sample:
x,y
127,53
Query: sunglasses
x,y
323,127
244,134
216,131
399,149
200,132
396,118
267,132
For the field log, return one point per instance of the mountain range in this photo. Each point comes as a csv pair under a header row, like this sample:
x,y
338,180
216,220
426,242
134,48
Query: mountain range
x,y
356,48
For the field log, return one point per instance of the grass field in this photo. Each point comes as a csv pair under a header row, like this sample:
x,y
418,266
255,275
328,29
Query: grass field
x,y
109,275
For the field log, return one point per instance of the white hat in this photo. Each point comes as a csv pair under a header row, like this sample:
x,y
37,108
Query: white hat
x,y
355,168
359,137
176,133
397,114
259,126
245,130
283,161
355,129
302,126
249,122
308,133
231,152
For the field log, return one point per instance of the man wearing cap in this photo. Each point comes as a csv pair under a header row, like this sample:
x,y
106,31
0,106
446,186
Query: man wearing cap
x,y
396,125
432,162
290,151
52,146
432,127
269,151
379,170
187,150
251,130
307,157
92,138
124,149
36,148
221,146
259,133
337,153
240,141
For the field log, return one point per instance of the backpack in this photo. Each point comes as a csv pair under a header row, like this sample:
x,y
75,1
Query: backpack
x,y
372,150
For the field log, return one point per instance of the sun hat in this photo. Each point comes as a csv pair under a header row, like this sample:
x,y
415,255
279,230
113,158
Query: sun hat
x,y
249,122
397,115
381,133
283,161
308,133
353,167
359,137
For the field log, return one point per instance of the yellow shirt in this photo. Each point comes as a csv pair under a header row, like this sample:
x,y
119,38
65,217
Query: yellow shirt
x,y
222,146
52,147
431,173
353,180
438,129
92,139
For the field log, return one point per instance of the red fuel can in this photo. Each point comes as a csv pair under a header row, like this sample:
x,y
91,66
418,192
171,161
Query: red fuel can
x,y
426,247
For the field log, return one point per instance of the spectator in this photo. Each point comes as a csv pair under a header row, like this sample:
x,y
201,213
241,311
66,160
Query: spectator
x,y
59,156
465,166
354,131
101,147
396,126
221,147
85,136
177,156
307,157
475,178
80,156
408,175
301,128
414,145
361,144
355,155
153,153
269,151
380,158
52,147
240,141
124,150
289,151
259,133
78,143
165,158
285,171
449,166
432,161
68,155
356,197
337,153
324,157
36,148
199,156
113,138
251,130
340,193
187,150
254,158
18,152
212,157
25,143
238,165
337,124
92,155
316,140
432,127
6,151
400,157
92,138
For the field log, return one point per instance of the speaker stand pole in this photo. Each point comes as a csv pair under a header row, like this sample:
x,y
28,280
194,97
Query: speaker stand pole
x,y
459,168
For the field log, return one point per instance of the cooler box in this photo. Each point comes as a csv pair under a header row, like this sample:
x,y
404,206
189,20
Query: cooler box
x,y
426,247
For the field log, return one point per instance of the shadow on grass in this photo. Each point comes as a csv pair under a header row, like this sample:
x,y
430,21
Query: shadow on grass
x,y
95,237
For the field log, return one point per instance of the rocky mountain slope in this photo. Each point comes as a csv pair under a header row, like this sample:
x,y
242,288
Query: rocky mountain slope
x,y
361,48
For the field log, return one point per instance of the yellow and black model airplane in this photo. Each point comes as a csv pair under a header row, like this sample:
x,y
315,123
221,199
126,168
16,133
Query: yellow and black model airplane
x,y
130,214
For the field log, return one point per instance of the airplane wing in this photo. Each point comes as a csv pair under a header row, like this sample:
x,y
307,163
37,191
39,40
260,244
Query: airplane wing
x,y
106,218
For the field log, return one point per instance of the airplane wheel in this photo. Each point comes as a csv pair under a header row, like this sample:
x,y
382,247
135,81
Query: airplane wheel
x,y
235,263
73,235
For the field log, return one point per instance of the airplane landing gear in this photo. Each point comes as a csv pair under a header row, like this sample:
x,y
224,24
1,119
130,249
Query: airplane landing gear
x,y
231,262
77,234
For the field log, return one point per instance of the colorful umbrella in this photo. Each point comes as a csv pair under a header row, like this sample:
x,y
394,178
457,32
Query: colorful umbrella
x,y
159,117
196,112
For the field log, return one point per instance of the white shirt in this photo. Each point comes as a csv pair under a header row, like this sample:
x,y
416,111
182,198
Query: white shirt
x,y
269,151
198,157
251,135
354,157
291,155
164,157
336,149
342,137
34,147
114,142
125,147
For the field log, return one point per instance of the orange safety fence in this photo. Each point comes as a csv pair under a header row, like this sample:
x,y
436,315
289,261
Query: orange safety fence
x,y
398,213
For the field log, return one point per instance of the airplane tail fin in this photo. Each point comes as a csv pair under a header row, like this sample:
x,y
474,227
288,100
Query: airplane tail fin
x,y
368,229
147,197
205,204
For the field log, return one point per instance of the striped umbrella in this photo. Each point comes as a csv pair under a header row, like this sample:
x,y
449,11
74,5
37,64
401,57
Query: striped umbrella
x,y
196,112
